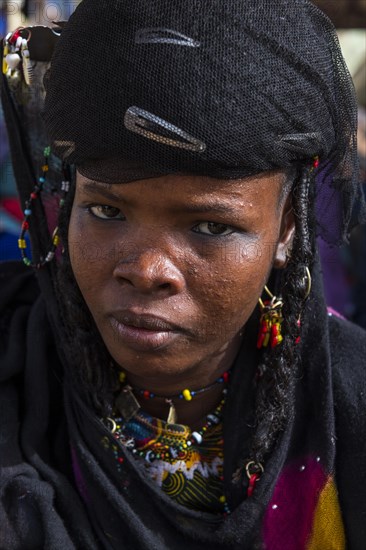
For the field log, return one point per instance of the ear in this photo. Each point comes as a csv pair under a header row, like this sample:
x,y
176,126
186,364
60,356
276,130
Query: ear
x,y
287,232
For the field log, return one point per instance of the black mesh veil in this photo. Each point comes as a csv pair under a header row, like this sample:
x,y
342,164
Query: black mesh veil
x,y
225,89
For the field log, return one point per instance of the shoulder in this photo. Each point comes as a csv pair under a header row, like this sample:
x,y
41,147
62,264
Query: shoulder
x,y
18,292
348,333
17,284
348,350
348,356
348,353
18,288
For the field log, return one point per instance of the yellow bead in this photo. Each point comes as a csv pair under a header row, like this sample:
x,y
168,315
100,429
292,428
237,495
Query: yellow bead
x,y
187,395
56,240
5,65
222,499
122,377
45,168
22,243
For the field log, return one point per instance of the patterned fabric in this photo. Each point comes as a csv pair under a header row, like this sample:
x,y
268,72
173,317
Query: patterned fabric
x,y
189,473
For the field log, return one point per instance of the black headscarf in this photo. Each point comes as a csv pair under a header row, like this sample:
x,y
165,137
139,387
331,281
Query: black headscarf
x,y
225,90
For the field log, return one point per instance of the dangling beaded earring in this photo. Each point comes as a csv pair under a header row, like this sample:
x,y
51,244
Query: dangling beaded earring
x,y
316,162
270,321
35,194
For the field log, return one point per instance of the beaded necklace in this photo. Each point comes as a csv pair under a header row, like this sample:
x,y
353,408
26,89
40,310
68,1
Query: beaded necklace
x,y
186,394
169,447
152,440
165,449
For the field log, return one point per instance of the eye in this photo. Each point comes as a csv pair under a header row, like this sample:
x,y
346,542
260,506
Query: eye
x,y
212,228
105,212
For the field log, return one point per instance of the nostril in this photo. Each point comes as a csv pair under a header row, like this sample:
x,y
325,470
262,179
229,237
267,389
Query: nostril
x,y
165,286
150,271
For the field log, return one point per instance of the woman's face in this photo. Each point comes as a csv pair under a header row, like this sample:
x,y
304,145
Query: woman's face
x,y
171,268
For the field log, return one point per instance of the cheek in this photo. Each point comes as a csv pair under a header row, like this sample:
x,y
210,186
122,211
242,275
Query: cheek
x,y
90,257
233,282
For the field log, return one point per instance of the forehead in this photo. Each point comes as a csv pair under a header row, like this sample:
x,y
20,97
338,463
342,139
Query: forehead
x,y
189,187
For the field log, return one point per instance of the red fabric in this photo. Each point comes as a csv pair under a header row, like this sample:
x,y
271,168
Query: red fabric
x,y
13,207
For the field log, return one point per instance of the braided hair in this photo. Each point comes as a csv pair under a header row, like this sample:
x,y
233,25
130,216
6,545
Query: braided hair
x,y
93,370
279,366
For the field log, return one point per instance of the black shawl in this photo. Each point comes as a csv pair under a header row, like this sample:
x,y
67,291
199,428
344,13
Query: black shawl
x,y
60,489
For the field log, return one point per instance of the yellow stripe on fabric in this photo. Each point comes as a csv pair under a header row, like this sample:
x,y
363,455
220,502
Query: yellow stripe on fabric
x,y
328,530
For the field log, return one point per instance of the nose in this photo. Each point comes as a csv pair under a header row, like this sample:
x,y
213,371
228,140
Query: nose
x,y
150,271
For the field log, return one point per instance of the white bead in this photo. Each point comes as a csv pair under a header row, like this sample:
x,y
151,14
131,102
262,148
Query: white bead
x,y
274,507
302,468
197,437
213,418
12,60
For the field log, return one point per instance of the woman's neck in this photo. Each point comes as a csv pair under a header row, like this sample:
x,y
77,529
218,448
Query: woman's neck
x,y
204,376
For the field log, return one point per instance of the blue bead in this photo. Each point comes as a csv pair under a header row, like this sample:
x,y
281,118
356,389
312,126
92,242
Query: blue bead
x,y
152,395
27,212
193,393
180,396
41,179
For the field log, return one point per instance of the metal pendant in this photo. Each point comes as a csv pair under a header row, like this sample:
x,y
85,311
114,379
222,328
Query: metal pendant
x,y
172,416
27,65
127,404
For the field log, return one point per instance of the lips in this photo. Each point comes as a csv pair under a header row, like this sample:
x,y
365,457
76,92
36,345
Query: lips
x,y
146,321
144,331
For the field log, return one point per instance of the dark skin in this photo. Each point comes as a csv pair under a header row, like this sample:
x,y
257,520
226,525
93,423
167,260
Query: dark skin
x,y
174,273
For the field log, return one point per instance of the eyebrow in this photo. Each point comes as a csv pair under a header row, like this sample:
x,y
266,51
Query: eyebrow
x,y
207,207
101,188
92,187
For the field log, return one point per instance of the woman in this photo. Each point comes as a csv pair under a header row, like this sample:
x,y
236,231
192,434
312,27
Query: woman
x,y
182,383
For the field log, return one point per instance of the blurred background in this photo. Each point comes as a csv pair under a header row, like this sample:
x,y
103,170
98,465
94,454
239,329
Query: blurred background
x,y
344,269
